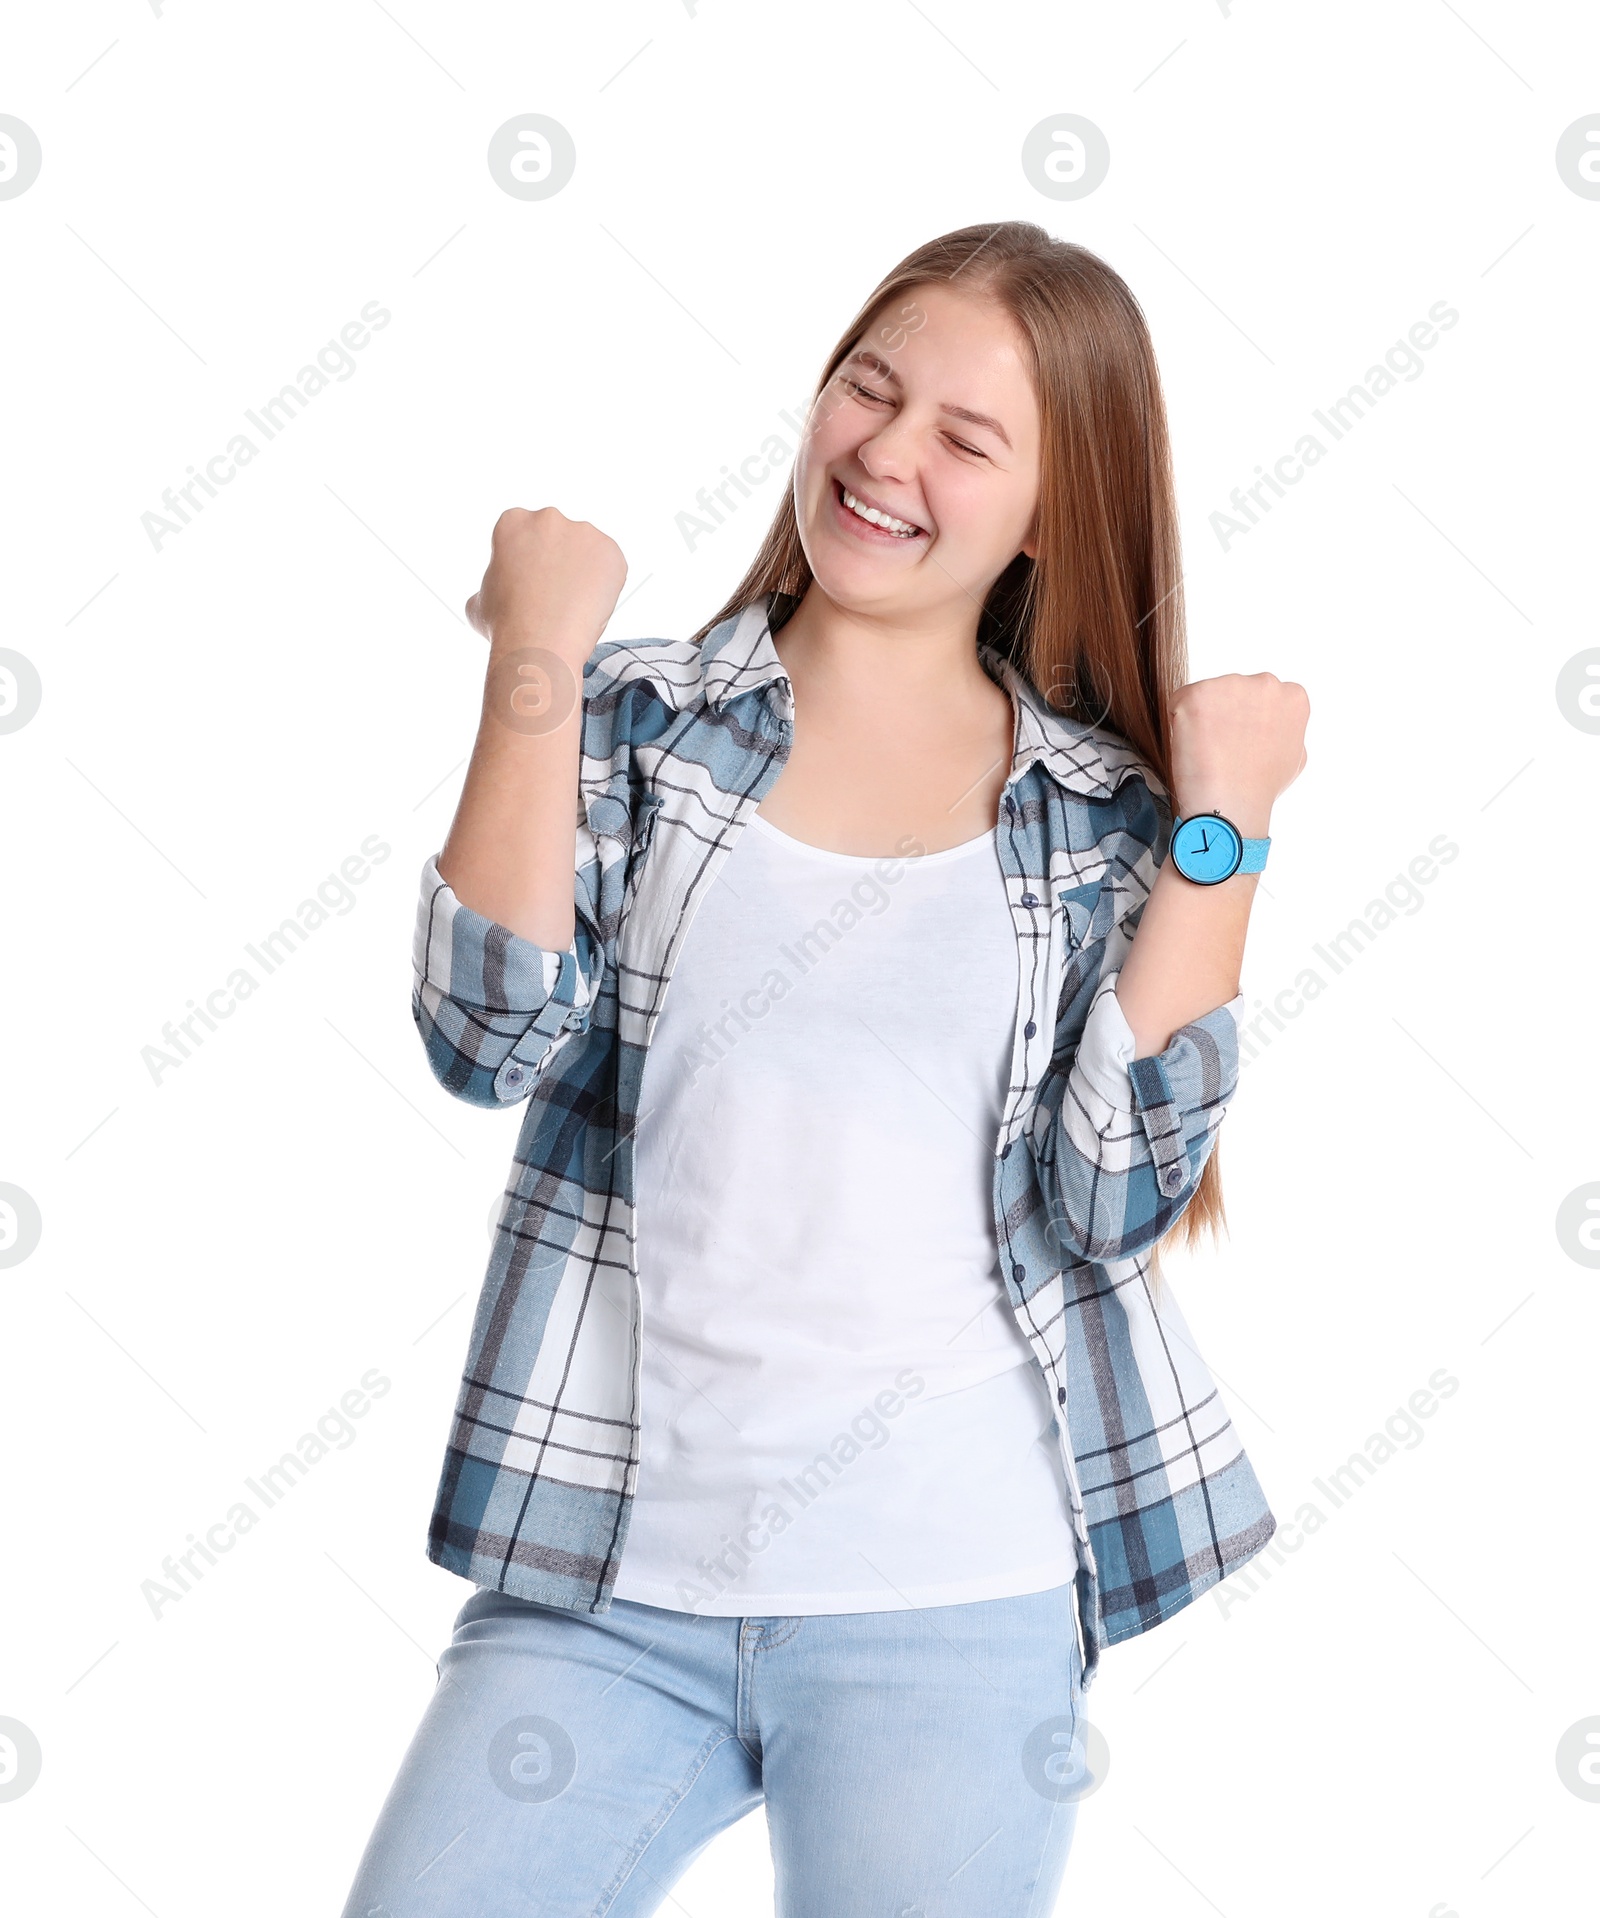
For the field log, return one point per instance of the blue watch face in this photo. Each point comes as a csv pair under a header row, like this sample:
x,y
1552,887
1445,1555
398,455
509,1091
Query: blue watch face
x,y
1206,848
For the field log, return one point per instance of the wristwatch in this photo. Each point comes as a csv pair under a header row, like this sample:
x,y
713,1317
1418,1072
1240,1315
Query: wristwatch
x,y
1208,849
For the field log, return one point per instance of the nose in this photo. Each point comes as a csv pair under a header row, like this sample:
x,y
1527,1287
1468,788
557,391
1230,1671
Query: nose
x,y
889,453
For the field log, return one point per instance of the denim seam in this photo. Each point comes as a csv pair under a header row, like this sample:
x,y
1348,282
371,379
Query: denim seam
x,y
744,1687
652,1831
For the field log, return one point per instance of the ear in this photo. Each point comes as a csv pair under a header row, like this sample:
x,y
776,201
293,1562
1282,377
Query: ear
x,y
1030,545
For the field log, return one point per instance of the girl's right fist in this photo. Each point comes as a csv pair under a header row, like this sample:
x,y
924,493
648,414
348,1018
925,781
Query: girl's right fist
x,y
550,581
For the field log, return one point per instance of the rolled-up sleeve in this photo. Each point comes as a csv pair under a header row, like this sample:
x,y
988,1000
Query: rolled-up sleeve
x,y
1136,1133
492,1007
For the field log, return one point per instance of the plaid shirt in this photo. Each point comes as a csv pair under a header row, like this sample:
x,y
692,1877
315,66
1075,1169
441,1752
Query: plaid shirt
x,y
1097,1154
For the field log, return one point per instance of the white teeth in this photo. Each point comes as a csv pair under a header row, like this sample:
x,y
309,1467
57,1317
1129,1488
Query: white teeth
x,y
886,520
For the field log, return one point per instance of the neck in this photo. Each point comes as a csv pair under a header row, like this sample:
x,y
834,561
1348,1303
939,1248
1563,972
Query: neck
x,y
924,656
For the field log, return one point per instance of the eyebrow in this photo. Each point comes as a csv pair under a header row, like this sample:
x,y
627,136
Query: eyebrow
x,y
885,371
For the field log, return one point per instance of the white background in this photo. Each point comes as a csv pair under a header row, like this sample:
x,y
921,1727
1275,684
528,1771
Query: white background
x,y
226,719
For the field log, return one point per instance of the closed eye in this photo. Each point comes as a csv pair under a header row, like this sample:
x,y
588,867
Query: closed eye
x,y
883,399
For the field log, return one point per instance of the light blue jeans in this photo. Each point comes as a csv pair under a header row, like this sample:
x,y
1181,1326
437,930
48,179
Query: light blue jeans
x,y
914,1764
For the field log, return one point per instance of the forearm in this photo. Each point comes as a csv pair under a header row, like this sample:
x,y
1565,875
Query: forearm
x,y
1188,951
550,587
510,849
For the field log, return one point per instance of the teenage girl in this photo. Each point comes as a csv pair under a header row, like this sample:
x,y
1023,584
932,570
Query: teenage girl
x,y
822,1417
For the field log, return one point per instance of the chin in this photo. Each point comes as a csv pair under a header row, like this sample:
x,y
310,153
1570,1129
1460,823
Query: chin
x,y
858,578
860,586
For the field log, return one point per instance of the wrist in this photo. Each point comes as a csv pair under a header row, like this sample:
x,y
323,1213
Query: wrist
x,y
530,688
1252,817
571,642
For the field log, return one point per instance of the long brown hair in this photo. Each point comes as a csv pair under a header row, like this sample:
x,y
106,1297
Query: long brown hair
x,y
1096,622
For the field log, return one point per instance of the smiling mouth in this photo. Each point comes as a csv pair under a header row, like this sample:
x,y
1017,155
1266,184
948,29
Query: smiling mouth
x,y
874,515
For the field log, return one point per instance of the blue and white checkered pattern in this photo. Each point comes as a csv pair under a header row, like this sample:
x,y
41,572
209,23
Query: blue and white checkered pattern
x,y
1097,1154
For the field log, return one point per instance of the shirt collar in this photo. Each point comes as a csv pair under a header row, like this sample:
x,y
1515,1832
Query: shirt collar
x,y
1085,759
738,657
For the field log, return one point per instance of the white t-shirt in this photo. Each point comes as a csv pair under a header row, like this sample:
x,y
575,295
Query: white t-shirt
x,y
840,1413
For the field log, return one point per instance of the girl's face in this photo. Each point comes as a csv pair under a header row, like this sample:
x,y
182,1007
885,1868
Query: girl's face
x,y
931,424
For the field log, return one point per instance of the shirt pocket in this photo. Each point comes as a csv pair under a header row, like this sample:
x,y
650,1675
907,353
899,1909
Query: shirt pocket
x,y
647,810
1087,913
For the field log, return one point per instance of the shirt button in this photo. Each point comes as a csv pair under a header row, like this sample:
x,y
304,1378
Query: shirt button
x,y
1029,1030
1061,1395
1172,1178
1030,899
1019,1273
514,1076
1011,805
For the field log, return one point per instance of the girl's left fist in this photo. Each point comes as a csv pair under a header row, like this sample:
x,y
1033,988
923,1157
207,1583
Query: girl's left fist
x,y
1237,741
